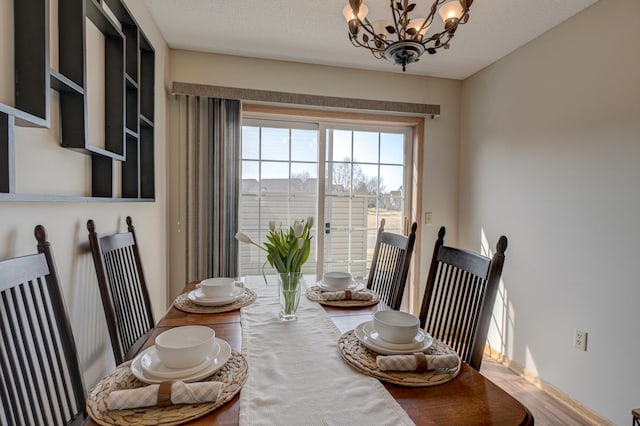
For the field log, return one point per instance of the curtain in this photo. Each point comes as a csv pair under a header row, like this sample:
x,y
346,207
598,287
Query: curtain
x,y
210,192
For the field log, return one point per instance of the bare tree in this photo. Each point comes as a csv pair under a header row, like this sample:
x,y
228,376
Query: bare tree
x,y
346,174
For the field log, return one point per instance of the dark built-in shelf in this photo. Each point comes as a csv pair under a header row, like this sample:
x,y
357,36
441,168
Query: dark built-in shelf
x,y
129,95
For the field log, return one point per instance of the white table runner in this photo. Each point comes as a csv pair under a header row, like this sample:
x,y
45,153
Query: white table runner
x,y
296,375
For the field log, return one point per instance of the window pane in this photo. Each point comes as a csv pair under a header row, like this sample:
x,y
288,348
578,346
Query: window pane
x,y
275,144
275,176
365,179
338,177
304,177
273,207
250,142
337,246
339,146
337,212
372,236
248,217
391,178
391,214
304,145
302,206
365,147
392,148
359,212
250,176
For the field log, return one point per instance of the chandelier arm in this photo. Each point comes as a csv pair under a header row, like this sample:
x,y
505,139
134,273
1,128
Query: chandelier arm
x,y
438,36
356,43
432,13
405,19
394,11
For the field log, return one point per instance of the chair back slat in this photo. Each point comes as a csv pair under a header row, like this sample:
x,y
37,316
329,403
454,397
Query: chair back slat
x,y
390,265
123,290
41,381
459,297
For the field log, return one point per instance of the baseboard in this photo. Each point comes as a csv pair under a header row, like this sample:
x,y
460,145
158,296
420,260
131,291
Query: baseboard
x,y
589,415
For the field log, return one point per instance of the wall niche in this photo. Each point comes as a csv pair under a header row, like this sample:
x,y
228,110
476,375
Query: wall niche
x,y
125,154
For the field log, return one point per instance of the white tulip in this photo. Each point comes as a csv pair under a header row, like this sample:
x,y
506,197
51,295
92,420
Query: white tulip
x,y
300,243
272,225
309,222
243,238
297,228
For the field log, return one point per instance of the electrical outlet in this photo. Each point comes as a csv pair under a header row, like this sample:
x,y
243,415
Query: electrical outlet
x,y
427,218
580,340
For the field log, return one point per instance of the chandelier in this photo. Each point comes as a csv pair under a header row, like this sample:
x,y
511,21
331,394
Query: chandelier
x,y
403,40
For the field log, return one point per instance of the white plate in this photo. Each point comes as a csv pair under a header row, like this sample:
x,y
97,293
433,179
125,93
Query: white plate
x,y
361,334
198,297
211,367
354,286
371,332
151,364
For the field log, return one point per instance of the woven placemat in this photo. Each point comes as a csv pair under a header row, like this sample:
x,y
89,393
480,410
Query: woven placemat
x,y
183,303
363,359
233,374
313,294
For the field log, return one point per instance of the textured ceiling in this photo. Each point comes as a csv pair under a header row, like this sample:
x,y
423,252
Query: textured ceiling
x,y
314,31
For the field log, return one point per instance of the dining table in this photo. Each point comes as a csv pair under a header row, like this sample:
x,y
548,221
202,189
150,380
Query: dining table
x,y
468,399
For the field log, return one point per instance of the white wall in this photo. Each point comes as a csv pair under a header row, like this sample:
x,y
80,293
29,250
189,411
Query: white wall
x,y
43,167
439,180
550,148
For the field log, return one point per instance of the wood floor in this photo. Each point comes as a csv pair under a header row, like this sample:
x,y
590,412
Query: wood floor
x,y
546,410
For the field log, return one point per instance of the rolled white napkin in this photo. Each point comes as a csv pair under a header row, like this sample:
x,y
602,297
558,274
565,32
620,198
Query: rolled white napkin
x,y
365,295
417,362
164,394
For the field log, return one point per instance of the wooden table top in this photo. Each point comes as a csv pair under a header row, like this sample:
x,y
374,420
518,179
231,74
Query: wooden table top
x,y
469,399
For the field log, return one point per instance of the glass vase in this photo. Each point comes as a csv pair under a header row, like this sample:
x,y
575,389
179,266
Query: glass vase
x,y
289,293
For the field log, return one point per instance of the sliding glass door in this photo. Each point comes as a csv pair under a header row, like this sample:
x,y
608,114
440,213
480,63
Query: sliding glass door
x,y
348,177
364,183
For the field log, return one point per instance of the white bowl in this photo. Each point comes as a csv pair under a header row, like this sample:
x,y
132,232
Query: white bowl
x,y
395,326
217,287
337,279
185,347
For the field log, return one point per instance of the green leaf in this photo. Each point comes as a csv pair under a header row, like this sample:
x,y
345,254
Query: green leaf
x,y
290,256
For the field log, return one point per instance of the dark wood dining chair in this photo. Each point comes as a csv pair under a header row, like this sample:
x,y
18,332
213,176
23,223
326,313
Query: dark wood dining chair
x,y
123,290
41,377
459,297
390,265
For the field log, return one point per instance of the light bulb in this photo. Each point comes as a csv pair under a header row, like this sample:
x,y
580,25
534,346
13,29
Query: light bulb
x,y
417,23
450,10
348,14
